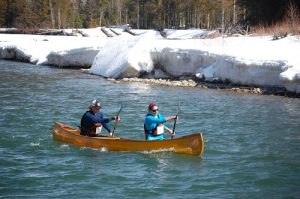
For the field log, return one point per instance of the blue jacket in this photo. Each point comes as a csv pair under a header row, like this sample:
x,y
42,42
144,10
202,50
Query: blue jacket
x,y
88,121
151,123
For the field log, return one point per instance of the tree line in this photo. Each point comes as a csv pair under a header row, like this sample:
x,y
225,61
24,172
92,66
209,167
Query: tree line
x,y
144,14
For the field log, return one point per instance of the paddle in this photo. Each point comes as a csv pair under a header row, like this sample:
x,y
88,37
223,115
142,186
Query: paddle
x,y
121,107
175,121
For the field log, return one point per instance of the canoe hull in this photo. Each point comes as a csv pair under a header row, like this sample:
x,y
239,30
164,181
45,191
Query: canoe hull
x,y
190,144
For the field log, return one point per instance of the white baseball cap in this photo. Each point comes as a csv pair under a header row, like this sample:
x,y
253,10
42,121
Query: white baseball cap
x,y
95,103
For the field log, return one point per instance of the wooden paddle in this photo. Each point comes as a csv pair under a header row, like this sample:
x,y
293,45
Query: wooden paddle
x,y
121,107
175,121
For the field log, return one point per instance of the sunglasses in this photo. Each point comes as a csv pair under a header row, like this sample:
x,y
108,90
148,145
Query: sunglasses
x,y
154,110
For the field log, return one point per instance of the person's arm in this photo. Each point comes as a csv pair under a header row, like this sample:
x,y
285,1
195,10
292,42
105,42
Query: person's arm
x,y
106,127
102,119
98,118
171,118
166,118
170,131
156,120
105,121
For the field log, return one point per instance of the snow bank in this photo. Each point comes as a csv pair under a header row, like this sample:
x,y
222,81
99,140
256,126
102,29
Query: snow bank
x,y
246,60
80,57
52,50
23,48
15,53
191,62
239,60
125,56
291,79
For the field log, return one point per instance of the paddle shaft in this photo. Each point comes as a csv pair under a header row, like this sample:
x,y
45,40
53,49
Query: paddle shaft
x,y
175,121
113,131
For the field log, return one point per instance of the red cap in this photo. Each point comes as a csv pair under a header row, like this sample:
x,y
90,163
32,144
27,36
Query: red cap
x,y
151,105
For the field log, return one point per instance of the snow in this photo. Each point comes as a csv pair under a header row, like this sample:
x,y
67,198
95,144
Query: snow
x,y
246,60
125,56
187,34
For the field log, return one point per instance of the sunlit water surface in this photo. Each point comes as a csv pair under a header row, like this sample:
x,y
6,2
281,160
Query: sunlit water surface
x,y
252,148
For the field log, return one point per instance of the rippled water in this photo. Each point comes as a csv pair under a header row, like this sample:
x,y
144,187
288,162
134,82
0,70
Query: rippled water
x,y
252,149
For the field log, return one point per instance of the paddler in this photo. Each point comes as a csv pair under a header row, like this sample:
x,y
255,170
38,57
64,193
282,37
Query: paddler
x,y
93,119
154,123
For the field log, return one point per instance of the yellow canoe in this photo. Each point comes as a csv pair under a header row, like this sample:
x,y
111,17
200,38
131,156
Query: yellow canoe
x,y
189,144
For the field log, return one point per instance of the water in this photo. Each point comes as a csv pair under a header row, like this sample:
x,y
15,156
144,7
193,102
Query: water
x,y
252,148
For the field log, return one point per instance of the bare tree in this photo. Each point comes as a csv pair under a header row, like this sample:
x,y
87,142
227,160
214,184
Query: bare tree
x,y
51,11
292,15
58,19
138,15
119,11
234,11
223,17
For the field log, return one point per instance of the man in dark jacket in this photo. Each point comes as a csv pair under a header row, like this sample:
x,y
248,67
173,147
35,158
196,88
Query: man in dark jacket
x,y
93,118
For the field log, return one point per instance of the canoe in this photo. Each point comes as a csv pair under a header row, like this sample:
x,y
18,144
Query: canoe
x,y
190,144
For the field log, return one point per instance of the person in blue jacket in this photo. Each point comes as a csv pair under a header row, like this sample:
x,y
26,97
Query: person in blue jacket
x,y
154,123
93,118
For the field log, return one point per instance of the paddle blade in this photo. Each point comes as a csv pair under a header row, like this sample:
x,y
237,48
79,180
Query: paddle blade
x,y
121,108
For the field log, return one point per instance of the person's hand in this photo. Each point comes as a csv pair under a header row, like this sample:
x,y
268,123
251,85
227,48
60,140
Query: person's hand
x,y
173,133
117,118
176,117
172,118
97,124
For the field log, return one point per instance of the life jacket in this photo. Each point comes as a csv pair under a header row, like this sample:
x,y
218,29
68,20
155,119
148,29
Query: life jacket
x,y
93,132
157,130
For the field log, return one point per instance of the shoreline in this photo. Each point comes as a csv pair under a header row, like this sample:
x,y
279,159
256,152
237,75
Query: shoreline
x,y
184,62
191,83
256,90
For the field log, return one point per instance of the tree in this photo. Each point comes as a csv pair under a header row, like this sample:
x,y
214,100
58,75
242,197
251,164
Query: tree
x,y
141,13
9,12
264,11
26,17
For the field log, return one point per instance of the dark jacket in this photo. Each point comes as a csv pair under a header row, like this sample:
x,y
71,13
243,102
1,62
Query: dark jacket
x,y
89,122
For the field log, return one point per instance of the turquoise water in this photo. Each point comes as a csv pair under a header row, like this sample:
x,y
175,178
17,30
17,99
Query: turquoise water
x,y
252,149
